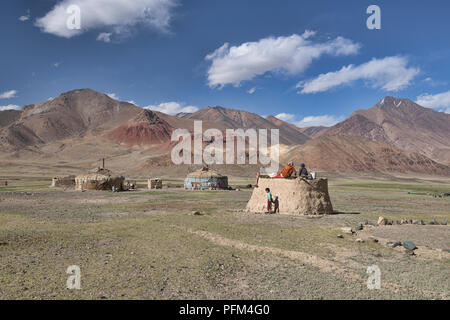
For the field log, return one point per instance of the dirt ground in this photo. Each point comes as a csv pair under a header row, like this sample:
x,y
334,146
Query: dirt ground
x,y
148,245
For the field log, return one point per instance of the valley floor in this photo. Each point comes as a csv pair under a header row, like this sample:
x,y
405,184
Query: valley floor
x,y
148,245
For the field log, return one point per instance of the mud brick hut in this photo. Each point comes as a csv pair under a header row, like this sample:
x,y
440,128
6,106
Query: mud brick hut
x,y
295,196
100,179
205,178
63,182
155,183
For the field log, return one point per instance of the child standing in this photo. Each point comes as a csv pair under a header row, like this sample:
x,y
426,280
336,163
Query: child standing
x,y
269,200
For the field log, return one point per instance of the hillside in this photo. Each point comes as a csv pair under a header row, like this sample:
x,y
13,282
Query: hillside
x,y
357,154
236,119
403,124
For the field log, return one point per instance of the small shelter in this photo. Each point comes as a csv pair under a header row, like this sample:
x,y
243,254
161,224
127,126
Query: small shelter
x,y
99,179
205,178
63,182
295,196
154,183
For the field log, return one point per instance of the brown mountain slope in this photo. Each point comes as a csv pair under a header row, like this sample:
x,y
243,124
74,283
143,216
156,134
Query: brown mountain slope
x,y
313,132
357,154
73,114
8,116
401,123
235,119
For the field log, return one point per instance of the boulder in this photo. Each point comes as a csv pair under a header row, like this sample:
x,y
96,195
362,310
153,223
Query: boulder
x,y
382,221
409,245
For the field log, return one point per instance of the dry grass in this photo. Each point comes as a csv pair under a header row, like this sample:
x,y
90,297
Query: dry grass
x,y
147,245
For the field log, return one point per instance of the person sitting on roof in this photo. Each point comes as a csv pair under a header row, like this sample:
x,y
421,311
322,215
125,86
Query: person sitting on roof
x,y
303,172
287,171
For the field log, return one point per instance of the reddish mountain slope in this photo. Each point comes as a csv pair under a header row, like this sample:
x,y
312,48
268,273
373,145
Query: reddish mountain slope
x,y
145,129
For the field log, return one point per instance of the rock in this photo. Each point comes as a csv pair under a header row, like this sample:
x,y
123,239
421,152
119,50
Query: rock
x,y
340,236
433,222
409,245
410,252
238,189
382,221
396,222
394,244
196,213
420,223
446,250
359,240
444,222
404,221
359,227
347,230
373,239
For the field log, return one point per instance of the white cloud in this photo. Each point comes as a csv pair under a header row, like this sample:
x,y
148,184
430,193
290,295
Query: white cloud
x,y
24,18
285,117
172,108
390,74
114,15
324,120
292,55
105,37
132,102
440,100
113,96
251,90
57,64
8,94
9,107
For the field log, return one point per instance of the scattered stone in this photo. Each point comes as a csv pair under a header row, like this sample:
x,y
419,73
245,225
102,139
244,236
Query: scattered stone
x,y
373,239
409,245
196,213
347,230
410,252
404,221
238,189
396,222
340,236
420,223
444,222
359,227
359,240
433,222
394,244
382,221
446,250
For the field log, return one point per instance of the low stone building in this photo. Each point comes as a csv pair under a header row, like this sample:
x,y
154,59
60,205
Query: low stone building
x,y
155,183
63,182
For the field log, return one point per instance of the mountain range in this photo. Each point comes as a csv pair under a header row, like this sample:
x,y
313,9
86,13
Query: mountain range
x,y
76,129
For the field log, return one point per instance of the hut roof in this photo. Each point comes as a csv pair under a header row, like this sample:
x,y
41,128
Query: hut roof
x,y
205,172
97,174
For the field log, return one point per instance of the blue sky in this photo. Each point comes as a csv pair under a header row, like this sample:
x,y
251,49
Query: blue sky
x,y
313,62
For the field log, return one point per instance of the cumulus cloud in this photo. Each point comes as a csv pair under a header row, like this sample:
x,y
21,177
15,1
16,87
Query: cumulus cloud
x,y
389,74
113,96
251,90
172,108
8,94
324,120
105,37
285,117
24,18
113,15
292,55
310,121
9,107
440,100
